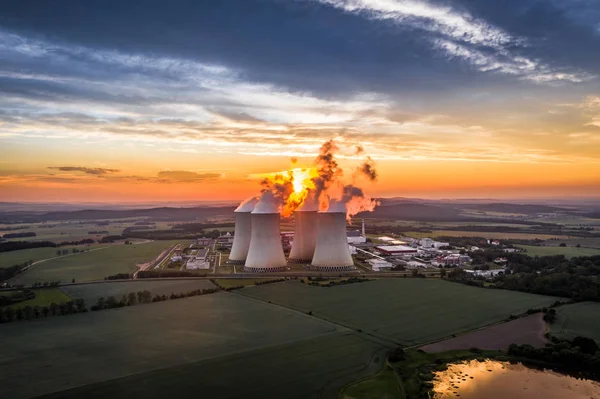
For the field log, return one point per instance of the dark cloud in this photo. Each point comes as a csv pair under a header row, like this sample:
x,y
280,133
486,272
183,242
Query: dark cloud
x,y
86,170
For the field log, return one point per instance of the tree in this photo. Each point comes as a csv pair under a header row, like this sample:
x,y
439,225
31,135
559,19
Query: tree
x,y
587,345
132,299
562,244
45,311
73,281
80,305
111,302
101,303
59,252
53,309
36,312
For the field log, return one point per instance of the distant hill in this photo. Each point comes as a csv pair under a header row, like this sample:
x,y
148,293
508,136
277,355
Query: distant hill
x,y
167,213
414,211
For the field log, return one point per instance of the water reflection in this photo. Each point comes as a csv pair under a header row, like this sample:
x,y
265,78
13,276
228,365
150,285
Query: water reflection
x,y
492,379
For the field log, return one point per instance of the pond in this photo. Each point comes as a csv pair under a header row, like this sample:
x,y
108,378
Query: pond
x,y
491,379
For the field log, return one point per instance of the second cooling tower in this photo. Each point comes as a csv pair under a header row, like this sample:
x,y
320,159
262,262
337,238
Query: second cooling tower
x,y
243,232
265,253
332,252
305,231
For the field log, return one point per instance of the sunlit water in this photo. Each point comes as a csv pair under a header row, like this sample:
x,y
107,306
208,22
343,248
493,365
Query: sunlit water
x,y
492,379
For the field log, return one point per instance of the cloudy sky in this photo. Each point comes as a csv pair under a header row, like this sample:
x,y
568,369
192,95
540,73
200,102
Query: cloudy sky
x,y
104,100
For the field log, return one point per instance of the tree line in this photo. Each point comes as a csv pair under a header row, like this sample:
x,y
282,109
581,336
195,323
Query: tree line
x,y
8,314
144,297
19,245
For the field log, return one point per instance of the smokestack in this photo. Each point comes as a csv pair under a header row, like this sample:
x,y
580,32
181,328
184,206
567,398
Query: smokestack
x,y
265,253
243,231
305,230
332,253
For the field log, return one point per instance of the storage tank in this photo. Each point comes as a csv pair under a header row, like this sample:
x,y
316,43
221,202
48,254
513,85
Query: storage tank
x,y
265,253
332,253
305,231
243,231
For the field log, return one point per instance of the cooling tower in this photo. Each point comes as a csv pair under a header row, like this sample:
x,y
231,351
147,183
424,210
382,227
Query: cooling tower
x,y
243,231
265,253
332,253
305,231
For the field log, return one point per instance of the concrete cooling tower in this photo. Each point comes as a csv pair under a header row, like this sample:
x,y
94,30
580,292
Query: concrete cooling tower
x,y
305,231
332,253
265,253
243,231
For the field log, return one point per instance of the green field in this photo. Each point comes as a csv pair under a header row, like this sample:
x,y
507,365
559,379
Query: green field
x,y
383,385
582,318
15,257
91,292
93,265
216,346
43,297
404,311
568,252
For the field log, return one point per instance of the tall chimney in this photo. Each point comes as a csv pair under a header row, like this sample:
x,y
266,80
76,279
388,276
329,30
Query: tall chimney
x,y
243,231
265,253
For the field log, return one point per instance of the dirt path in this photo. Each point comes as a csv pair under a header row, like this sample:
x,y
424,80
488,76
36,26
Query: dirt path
x,y
525,330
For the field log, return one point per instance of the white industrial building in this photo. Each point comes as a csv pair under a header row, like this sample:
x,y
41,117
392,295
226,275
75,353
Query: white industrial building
x,y
305,231
357,237
332,252
198,261
265,253
243,231
379,264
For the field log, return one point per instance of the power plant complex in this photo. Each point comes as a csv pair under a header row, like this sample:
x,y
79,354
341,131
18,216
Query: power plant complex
x,y
320,241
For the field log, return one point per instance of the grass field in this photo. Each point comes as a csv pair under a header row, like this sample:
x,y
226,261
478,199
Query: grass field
x,y
568,252
405,311
15,257
383,385
44,297
580,318
91,292
218,345
93,265
486,234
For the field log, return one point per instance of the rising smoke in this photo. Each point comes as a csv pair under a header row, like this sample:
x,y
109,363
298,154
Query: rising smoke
x,y
324,181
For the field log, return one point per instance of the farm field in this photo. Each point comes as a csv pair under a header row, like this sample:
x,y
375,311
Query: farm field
x,y
93,265
11,258
312,368
568,252
403,311
75,231
528,330
246,339
91,292
43,297
578,319
486,234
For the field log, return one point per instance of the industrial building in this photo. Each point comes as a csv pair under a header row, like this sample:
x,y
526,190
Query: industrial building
x,y
198,261
265,253
379,264
396,250
243,232
332,253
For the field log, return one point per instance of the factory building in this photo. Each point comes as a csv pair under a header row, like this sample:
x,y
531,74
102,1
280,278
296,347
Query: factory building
x,y
396,250
379,264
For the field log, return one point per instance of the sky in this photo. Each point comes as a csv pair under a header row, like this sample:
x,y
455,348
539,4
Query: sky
x,y
120,101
